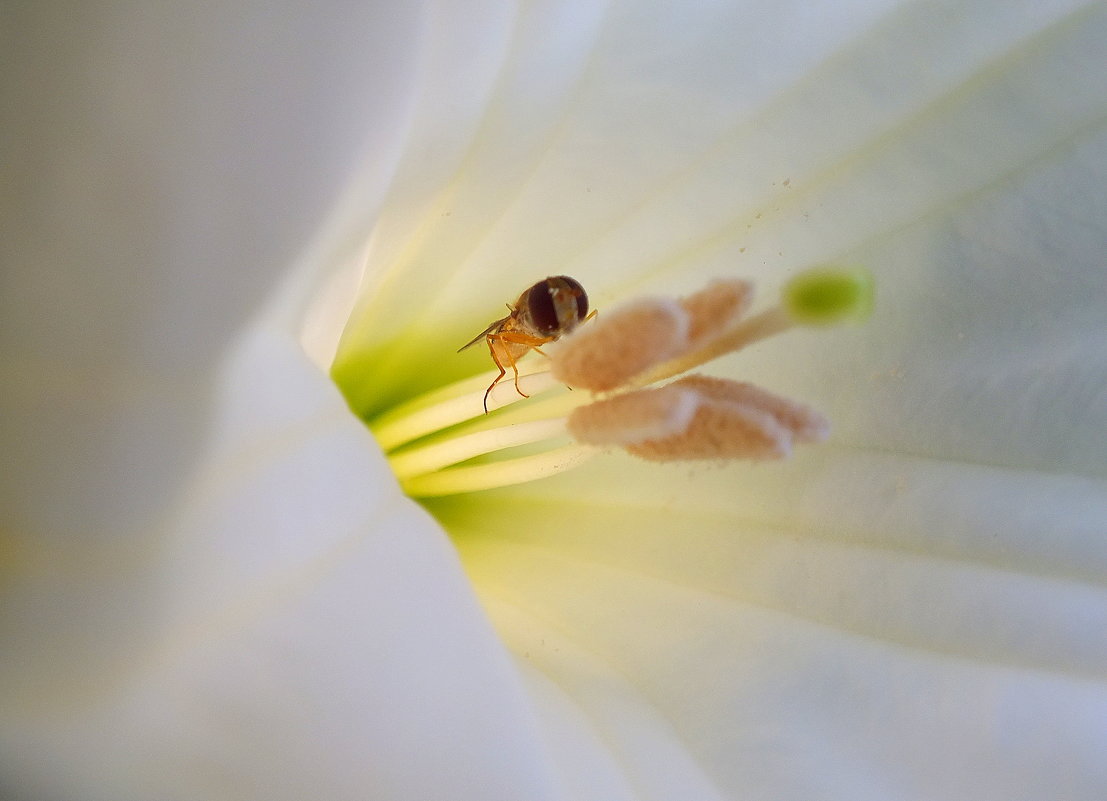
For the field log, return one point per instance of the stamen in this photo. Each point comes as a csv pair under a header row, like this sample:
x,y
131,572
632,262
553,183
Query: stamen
x,y
457,403
745,332
618,346
475,478
716,307
822,297
634,417
802,422
428,458
698,417
721,430
657,338
694,417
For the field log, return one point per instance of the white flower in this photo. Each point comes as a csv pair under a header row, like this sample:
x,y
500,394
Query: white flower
x,y
211,585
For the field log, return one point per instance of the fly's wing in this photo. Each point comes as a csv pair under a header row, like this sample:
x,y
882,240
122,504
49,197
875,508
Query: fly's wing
x,y
496,326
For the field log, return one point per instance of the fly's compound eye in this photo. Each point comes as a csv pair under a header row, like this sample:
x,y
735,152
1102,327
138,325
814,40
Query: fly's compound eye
x,y
540,308
557,304
579,298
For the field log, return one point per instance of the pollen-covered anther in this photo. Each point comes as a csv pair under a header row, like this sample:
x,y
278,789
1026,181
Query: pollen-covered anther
x,y
698,417
716,307
803,423
634,417
610,351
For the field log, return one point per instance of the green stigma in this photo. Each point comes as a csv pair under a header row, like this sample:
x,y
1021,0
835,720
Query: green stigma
x,y
827,296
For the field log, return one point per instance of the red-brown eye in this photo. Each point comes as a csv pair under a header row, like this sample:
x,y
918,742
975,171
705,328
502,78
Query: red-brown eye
x,y
577,291
541,309
557,304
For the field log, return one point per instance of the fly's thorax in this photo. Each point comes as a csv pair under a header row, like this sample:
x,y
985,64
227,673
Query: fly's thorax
x,y
507,352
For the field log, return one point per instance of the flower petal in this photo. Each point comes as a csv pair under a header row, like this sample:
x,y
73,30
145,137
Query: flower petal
x,y
212,586
914,612
848,625
298,627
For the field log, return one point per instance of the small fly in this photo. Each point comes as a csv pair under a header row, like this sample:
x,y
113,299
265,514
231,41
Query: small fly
x,y
546,311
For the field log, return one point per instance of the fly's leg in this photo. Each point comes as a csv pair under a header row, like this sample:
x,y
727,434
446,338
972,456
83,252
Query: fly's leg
x,y
506,338
518,337
511,361
516,369
503,372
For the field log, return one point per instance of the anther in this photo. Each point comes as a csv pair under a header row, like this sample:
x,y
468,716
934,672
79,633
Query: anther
x,y
625,343
716,307
802,422
698,417
634,417
617,346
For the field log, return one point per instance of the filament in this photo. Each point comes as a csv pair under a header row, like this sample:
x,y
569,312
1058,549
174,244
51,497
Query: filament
x,y
474,478
429,458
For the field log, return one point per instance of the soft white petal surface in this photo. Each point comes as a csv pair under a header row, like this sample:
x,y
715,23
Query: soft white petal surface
x,y
211,586
853,624
913,612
